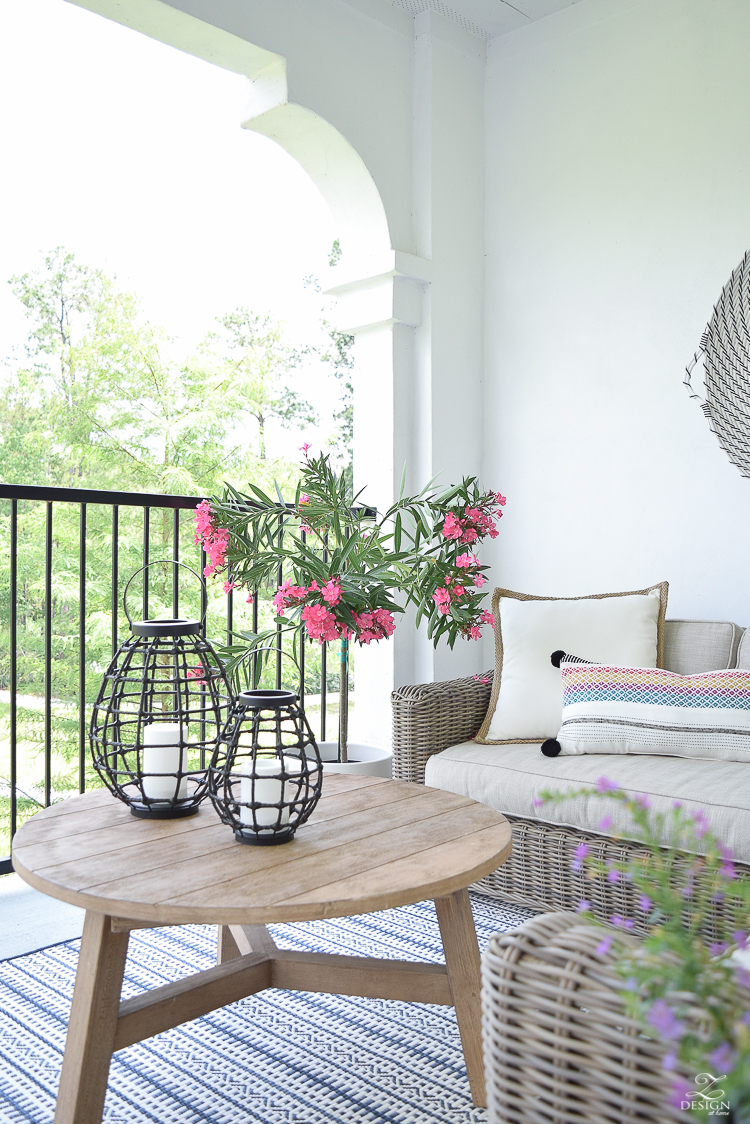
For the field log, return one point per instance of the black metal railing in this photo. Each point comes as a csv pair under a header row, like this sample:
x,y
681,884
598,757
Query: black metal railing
x,y
99,519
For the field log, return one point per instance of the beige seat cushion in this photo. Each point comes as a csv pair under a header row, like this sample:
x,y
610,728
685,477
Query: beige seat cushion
x,y
509,777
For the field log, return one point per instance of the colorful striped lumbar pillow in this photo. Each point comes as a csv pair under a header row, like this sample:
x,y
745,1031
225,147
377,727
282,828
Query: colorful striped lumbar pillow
x,y
609,709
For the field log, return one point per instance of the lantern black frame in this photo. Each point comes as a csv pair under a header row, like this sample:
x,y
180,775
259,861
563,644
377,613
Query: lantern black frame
x,y
166,672
275,726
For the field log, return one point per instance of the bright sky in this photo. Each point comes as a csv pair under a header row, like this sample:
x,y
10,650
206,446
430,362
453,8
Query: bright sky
x,y
130,154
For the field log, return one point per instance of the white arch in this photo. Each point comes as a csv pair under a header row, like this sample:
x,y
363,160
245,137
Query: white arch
x,y
333,165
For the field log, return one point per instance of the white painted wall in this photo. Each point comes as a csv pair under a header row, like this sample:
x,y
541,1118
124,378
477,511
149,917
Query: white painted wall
x,y
618,203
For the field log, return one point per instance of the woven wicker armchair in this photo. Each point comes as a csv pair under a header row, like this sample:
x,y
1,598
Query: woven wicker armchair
x,y
558,1046
433,716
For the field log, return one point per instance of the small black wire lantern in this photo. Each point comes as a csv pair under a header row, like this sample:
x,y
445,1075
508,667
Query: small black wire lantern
x,y
161,707
266,775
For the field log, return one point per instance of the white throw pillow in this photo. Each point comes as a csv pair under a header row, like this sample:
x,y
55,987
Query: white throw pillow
x,y
526,703
615,709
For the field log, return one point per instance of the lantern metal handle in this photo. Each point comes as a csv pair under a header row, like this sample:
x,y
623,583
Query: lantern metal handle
x,y
162,562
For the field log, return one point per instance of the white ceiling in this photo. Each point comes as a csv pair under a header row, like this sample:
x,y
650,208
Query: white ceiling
x,y
486,18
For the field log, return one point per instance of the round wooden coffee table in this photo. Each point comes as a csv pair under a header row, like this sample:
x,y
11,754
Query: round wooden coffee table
x,y
371,844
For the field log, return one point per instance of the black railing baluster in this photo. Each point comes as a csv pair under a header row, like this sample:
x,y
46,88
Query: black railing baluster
x,y
146,556
176,558
82,652
256,663
13,665
323,689
279,581
230,616
115,574
48,657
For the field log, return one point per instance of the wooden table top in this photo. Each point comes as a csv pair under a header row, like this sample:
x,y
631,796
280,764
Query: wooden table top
x,y
370,844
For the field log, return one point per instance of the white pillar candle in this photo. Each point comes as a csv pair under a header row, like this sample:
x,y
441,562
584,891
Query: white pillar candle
x,y
163,753
268,789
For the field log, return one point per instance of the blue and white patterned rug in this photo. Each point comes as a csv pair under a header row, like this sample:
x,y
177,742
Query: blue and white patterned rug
x,y
280,1057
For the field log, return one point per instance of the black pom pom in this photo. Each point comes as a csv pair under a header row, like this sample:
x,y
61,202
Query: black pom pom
x,y
551,748
556,657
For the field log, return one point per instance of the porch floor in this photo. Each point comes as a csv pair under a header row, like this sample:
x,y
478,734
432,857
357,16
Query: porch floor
x,y
30,920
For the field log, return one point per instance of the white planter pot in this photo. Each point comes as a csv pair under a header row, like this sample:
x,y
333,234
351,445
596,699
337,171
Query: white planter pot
x,y
367,760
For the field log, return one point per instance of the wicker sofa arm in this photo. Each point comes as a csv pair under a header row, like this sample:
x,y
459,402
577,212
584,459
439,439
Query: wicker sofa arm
x,y
429,717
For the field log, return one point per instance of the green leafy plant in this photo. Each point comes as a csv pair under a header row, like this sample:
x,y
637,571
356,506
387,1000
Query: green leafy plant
x,y
351,568
693,995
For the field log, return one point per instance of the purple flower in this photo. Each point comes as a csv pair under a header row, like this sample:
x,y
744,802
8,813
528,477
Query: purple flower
x,y
604,785
701,823
739,936
613,876
723,1057
687,889
605,823
580,853
642,801
676,804
680,1092
621,922
537,801
745,1020
631,984
644,903
604,946
718,947
727,869
662,1018
583,905
669,1061
725,853
743,977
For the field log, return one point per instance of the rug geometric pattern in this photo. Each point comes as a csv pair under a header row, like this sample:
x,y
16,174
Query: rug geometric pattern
x,y
279,1057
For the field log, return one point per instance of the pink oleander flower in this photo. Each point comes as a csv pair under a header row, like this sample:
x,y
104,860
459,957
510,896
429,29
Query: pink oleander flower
x,y
214,539
288,595
377,624
442,599
458,591
486,618
320,623
452,529
479,580
304,498
465,560
305,447
500,500
475,633
481,679
250,598
196,673
229,586
332,591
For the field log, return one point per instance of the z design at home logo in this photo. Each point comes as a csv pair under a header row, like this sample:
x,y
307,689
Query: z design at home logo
x,y
707,1094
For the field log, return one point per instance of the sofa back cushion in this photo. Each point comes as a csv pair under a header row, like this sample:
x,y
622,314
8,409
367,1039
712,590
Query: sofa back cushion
x,y
694,646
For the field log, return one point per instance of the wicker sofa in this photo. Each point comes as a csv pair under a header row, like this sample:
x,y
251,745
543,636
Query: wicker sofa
x,y
433,725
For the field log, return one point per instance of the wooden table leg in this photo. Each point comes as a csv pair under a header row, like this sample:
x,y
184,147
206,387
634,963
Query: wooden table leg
x,y
464,975
93,1021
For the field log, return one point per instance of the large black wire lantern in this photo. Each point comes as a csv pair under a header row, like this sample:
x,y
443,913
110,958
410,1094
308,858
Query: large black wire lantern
x,y
161,706
266,775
